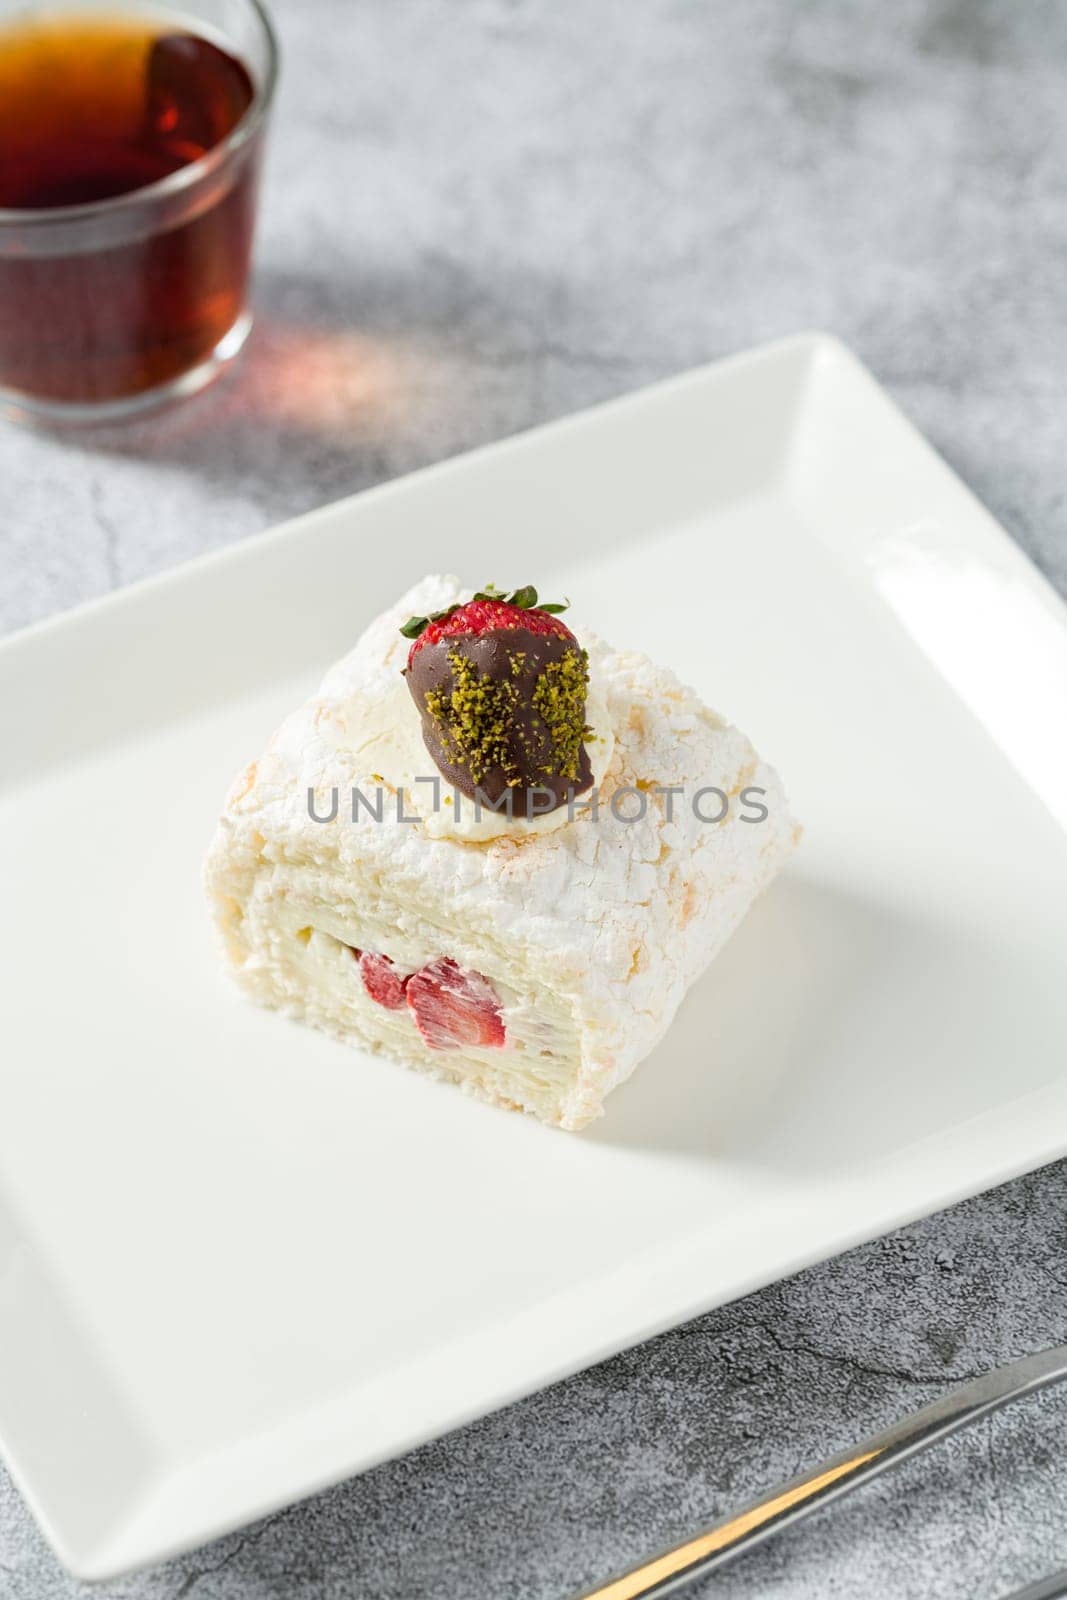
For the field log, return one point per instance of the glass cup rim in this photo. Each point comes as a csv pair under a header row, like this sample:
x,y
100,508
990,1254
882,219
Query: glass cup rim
x,y
184,177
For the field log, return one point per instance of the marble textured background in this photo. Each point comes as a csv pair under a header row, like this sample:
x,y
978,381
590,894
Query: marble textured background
x,y
484,214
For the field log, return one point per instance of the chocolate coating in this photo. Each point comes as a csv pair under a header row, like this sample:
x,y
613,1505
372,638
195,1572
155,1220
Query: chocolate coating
x,y
505,710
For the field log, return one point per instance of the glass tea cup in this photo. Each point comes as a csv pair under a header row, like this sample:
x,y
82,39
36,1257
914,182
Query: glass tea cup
x,y
130,146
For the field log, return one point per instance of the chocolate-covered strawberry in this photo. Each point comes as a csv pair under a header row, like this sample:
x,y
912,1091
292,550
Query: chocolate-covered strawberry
x,y
500,684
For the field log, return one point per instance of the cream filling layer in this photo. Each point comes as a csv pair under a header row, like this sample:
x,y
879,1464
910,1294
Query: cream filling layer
x,y
303,934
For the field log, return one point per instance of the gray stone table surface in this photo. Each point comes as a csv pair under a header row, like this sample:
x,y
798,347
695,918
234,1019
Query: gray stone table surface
x,y
484,214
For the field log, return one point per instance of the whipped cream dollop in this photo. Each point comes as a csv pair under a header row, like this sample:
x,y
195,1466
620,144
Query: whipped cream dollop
x,y
389,744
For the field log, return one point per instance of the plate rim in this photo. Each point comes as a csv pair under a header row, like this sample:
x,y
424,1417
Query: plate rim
x,y
806,342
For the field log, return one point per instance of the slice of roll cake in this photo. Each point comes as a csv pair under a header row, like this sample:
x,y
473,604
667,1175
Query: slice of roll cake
x,y
494,854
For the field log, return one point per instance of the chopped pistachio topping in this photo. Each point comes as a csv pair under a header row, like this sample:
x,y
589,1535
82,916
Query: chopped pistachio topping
x,y
480,727
559,699
474,717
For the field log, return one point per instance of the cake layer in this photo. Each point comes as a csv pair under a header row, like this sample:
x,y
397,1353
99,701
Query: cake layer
x,y
556,956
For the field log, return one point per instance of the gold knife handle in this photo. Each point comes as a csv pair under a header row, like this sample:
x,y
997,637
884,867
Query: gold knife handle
x,y
788,1502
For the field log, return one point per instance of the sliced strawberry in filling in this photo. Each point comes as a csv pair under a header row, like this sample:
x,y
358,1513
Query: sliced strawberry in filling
x,y
453,1008
381,980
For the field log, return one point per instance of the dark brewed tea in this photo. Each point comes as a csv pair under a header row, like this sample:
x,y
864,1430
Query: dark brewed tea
x,y
90,110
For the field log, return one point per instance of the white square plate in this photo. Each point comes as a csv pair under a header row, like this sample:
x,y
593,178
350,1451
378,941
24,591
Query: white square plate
x,y
238,1261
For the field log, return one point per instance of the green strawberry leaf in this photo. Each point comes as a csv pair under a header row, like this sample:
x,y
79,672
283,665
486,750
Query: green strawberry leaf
x,y
525,599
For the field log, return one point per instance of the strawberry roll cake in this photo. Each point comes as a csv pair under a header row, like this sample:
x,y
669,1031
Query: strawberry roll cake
x,y
494,852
